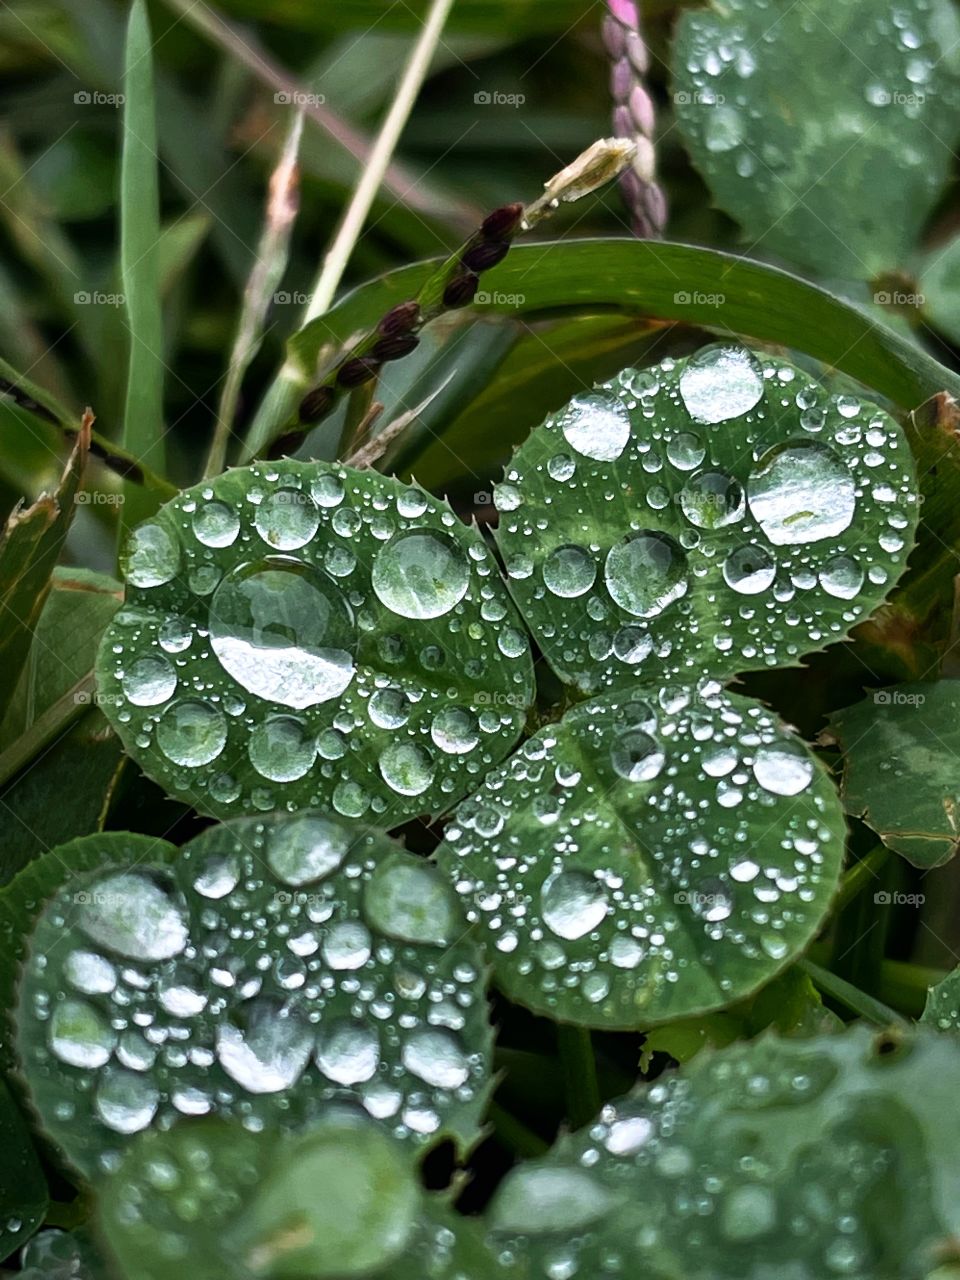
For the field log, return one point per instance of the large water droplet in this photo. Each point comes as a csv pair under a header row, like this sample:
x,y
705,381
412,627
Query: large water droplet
x,y
282,749
149,682
712,499
287,519
284,632
407,768
801,492
454,730
572,904
268,1054
725,129
720,383
216,524
436,1057
569,571
420,575
841,577
637,756
349,1052
133,916
411,901
151,557
783,768
685,451
306,849
192,733
646,573
596,427
126,1102
80,1035
749,570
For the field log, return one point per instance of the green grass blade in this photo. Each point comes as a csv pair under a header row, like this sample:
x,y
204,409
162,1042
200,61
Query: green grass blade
x,y
143,429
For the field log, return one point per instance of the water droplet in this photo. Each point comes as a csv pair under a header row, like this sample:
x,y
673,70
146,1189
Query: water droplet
x,y
783,768
436,1057
749,570
686,451
90,973
801,492
725,129
284,632
411,901
287,519
748,1212
572,904
267,1054
454,730
347,945
282,749
132,915
216,524
637,756
151,558
126,1102
306,848
720,383
420,575
569,571
192,733
596,427
349,1052
841,577
646,573
149,682
712,500
80,1036
407,768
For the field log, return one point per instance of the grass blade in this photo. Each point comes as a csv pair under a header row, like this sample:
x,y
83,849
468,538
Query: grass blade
x,y
143,429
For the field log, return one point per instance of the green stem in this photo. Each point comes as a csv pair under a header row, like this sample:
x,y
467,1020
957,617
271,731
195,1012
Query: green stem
x,y
860,875
579,1074
514,1134
850,997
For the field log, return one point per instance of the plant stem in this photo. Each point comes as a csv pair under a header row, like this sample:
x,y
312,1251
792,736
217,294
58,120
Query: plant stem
x,y
372,175
579,1074
860,875
514,1134
849,996
268,267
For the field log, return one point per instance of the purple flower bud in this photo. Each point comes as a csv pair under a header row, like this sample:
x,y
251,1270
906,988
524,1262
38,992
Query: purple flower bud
x,y
503,223
285,444
460,290
316,404
355,372
483,256
395,345
401,319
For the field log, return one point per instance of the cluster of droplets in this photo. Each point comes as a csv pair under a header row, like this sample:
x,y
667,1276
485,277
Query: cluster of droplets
x,y
721,512
643,860
276,968
750,1163
757,156
302,634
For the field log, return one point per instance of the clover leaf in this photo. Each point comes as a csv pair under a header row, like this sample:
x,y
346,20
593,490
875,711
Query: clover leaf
x,y
650,857
277,966
299,634
715,514
803,1158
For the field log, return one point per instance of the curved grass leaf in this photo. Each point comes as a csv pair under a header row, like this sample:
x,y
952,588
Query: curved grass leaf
x,y
62,870
298,634
341,1199
519,17
649,857
779,1158
718,513
900,750
277,966
839,172
23,1188
696,286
